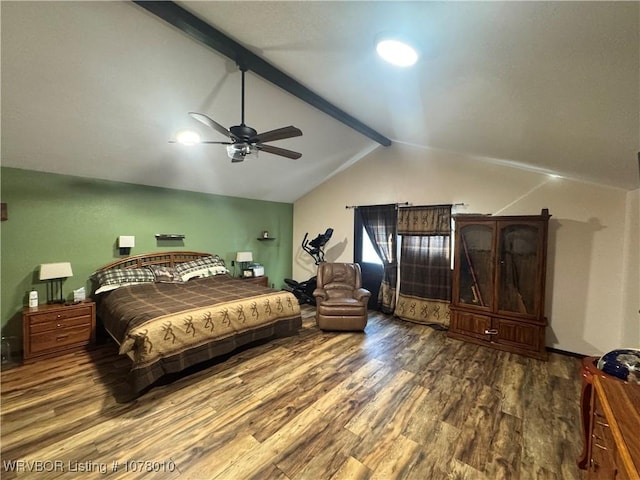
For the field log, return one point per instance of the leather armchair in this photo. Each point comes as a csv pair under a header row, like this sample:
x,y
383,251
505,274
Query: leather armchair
x,y
341,302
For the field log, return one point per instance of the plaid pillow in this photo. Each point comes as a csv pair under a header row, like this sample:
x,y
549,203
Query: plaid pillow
x,y
166,274
114,278
201,267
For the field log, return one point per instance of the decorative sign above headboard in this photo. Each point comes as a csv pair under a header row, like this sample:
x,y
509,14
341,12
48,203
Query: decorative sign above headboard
x,y
169,236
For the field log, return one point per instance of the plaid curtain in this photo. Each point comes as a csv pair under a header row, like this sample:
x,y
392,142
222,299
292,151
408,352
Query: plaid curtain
x,y
380,222
434,220
425,264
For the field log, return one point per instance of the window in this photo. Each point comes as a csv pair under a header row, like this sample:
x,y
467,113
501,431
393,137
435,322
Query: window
x,y
369,254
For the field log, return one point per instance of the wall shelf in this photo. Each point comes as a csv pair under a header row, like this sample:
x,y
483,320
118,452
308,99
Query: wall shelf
x,y
263,238
169,236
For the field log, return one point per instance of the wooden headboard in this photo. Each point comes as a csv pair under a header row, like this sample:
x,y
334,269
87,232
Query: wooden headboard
x,y
164,259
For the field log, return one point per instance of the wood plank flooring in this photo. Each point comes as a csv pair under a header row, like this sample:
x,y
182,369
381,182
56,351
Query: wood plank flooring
x,y
401,401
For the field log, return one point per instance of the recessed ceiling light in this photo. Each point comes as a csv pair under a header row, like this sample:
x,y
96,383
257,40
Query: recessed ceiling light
x,y
187,137
396,51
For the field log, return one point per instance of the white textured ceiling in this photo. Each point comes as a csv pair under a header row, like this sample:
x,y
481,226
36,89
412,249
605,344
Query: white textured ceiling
x,y
97,89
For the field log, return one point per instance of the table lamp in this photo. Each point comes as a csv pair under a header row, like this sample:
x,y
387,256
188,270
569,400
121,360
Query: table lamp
x,y
244,258
55,273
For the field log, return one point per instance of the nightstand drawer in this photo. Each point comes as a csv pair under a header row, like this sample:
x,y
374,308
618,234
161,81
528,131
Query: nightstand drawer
x,y
52,341
61,323
60,314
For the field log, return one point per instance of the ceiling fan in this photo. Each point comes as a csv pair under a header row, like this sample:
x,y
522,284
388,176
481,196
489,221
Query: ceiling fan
x,y
246,140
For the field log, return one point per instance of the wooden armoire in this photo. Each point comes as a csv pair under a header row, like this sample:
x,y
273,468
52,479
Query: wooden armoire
x,y
499,282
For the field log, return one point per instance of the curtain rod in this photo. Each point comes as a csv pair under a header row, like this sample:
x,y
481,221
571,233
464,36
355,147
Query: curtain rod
x,y
379,205
407,204
442,205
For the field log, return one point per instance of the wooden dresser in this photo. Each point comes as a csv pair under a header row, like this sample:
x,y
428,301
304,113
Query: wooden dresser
x,y
611,426
50,330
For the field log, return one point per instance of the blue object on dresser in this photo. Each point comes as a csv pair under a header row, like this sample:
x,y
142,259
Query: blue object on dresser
x,y
623,364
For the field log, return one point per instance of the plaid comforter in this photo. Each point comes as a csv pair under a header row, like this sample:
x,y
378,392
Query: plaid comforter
x,y
167,327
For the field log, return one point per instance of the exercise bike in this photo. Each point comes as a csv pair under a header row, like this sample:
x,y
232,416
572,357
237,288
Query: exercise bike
x,y
303,291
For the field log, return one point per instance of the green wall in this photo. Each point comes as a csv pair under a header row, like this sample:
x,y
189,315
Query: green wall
x,y
59,218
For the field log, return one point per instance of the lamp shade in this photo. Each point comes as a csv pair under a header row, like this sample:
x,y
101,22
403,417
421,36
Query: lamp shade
x,y
50,271
244,257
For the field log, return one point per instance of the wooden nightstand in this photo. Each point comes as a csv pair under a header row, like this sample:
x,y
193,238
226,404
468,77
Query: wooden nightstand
x,y
263,280
50,330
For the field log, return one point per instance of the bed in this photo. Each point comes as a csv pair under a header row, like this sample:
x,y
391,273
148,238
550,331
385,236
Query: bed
x,y
168,311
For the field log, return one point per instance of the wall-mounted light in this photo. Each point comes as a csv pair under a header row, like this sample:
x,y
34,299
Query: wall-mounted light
x,y
126,243
56,272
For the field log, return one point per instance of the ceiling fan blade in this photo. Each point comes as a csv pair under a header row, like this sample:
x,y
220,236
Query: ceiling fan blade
x,y
202,118
206,141
277,134
283,152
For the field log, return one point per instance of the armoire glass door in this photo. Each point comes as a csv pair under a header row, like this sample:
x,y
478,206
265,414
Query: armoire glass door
x,y
476,265
519,277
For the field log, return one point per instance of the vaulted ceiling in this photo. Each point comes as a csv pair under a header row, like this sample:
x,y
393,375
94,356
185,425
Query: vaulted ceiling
x,y
97,89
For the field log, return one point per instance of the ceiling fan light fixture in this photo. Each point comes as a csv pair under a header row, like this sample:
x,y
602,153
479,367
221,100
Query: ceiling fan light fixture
x,y
239,151
246,141
187,137
396,51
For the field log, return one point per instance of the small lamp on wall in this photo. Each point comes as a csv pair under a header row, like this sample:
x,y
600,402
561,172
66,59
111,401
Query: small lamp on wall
x,y
126,243
56,273
244,258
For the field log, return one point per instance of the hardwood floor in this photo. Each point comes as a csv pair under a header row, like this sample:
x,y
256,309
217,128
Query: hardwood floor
x,y
399,401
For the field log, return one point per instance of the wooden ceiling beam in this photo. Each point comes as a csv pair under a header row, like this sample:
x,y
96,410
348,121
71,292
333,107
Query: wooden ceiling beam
x,y
204,33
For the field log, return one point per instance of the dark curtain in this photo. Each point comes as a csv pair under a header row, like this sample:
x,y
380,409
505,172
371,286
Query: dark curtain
x,y
380,223
425,264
